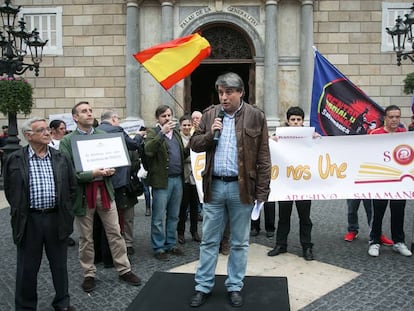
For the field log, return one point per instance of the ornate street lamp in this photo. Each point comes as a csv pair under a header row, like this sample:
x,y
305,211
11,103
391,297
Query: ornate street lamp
x,y
400,33
15,41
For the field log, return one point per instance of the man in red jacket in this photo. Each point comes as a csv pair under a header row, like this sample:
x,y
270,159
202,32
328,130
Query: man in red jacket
x,y
397,207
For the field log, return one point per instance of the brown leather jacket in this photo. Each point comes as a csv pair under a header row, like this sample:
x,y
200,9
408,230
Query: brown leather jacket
x,y
254,162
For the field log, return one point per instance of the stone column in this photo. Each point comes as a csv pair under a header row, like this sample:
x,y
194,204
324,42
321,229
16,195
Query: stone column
x,y
167,34
271,65
306,56
132,88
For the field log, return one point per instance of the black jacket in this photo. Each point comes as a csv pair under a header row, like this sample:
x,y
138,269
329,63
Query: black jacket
x,y
121,177
16,189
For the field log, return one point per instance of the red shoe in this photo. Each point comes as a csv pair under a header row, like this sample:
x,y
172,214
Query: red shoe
x,y
350,236
386,241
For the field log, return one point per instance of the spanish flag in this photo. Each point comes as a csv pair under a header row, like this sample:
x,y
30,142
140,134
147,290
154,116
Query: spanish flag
x,y
169,62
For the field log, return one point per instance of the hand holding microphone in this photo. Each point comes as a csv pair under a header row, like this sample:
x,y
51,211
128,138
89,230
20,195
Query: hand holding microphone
x,y
217,132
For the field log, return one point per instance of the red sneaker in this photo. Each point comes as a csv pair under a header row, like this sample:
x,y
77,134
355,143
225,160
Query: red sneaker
x,y
350,236
386,241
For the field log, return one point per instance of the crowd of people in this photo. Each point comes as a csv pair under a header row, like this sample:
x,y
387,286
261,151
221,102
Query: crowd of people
x,y
100,202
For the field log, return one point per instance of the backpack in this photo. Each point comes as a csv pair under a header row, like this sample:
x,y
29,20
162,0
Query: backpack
x,y
135,187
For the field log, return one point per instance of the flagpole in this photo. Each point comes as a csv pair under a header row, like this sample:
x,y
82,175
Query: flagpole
x,y
172,96
175,100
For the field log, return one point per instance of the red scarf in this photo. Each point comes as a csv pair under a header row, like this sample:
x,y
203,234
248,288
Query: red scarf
x,y
92,190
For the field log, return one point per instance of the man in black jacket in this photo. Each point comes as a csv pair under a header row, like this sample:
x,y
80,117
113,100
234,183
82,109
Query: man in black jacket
x,y
124,202
41,213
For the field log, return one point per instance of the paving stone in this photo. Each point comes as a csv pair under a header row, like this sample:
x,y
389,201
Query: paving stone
x,y
385,283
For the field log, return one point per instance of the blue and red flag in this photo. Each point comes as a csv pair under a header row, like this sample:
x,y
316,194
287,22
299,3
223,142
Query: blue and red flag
x,y
338,106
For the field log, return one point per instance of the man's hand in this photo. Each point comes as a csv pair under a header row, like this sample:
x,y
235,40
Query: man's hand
x,y
103,172
168,127
142,133
217,125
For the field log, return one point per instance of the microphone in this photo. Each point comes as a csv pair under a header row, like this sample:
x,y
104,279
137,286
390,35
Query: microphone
x,y
217,133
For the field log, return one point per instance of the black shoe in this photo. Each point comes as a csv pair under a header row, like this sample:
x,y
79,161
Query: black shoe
x,y
224,247
196,237
270,234
308,254
130,250
130,278
254,232
277,250
71,242
161,256
175,251
181,238
236,299
88,284
198,299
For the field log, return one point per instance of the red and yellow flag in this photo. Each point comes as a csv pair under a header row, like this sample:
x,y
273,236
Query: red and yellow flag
x,y
169,62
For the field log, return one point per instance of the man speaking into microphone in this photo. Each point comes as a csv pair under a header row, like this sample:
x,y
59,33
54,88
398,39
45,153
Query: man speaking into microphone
x,y
234,136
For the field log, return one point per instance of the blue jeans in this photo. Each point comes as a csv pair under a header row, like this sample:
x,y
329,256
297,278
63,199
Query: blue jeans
x,y
225,204
166,204
353,206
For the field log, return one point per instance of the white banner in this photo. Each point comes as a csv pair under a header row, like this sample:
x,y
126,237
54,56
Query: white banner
x,y
65,117
338,167
132,127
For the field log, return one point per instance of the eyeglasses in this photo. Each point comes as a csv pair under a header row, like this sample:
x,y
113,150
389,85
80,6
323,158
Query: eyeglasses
x,y
41,130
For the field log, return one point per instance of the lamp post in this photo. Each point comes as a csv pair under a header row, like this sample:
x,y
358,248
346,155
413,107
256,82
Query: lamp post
x,y
15,41
400,33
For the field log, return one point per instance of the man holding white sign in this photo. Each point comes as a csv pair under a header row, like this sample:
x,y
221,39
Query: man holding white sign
x,y
95,193
295,118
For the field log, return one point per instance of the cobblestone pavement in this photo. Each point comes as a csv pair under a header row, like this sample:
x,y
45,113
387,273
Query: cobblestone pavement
x,y
385,283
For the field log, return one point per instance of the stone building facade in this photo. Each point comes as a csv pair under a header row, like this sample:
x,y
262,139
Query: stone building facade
x,y
268,42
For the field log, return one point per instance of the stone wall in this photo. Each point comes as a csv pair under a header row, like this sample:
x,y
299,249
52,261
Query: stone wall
x,y
92,66
348,34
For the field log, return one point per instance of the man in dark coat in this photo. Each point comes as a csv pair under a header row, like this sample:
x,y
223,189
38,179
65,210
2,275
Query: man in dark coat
x,y
124,201
39,186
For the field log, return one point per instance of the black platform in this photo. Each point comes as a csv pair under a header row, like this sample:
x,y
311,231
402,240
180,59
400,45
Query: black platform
x,y
172,292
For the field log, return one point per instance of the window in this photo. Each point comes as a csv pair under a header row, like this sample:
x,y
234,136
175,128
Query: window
x,y
48,22
390,12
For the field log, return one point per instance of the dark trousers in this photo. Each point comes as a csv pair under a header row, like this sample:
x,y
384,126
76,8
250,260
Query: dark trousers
x,y
100,243
41,230
226,232
147,193
353,206
190,199
397,209
305,223
269,216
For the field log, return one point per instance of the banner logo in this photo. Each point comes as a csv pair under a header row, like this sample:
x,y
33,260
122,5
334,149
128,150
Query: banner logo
x,y
379,173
